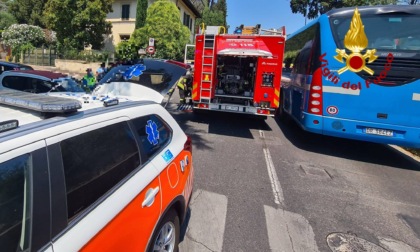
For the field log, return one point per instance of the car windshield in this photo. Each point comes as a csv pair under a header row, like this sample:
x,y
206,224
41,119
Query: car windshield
x,y
114,74
402,31
158,75
66,85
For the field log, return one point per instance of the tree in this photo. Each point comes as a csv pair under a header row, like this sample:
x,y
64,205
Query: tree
x,y
28,11
222,7
79,23
211,17
200,4
141,13
6,19
22,37
311,9
163,24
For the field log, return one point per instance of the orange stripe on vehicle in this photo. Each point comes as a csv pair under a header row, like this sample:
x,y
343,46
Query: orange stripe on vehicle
x,y
277,92
167,183
132,228
276,102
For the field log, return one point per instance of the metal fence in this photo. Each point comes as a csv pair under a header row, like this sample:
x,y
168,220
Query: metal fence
x,y
40,57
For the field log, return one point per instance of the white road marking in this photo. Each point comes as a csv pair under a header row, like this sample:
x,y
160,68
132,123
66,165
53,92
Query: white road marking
x,y
340,90
206,225
275,184
416,97
289,231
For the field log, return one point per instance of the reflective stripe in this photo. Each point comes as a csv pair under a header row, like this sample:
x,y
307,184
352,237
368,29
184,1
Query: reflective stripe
x,y
416,97
276,102
194,93
276,97
277,92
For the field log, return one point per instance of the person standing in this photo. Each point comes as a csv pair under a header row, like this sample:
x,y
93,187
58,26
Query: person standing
x,y
182,88
89,79
100,72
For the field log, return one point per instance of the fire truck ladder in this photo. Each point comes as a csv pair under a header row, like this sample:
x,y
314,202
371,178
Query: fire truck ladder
x,y
206,87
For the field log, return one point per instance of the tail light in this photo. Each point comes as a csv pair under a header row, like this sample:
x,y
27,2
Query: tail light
x,y
188,144
315,93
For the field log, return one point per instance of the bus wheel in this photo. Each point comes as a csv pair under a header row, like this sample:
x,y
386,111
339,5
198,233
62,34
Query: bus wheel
x,y
166,236
280,113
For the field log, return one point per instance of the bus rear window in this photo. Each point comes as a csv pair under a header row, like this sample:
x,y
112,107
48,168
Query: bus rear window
x,y
402,32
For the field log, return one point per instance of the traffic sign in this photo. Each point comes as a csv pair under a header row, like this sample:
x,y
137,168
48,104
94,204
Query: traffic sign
x,y
151,42
150,49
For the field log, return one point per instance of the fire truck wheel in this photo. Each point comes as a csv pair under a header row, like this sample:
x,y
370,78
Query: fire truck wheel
x,y
166,236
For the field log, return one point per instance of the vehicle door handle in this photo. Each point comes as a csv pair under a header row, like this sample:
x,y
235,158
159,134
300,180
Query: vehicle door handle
x,y
150,197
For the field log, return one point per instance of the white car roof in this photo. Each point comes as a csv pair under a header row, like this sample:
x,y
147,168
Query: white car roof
x,y
115,92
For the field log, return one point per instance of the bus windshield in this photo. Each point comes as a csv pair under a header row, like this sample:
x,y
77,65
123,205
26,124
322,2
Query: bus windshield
x,y
391,32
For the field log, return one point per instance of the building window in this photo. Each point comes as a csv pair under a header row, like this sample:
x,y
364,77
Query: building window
x,y
187,21
124,37
125,13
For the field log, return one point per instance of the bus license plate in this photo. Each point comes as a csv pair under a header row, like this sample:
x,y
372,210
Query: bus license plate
x,y
232,108
380,132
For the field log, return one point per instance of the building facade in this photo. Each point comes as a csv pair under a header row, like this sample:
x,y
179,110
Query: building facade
x,y
123,19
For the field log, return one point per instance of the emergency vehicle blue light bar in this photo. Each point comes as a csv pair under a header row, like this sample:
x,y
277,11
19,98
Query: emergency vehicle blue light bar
x,y
38,102
8,125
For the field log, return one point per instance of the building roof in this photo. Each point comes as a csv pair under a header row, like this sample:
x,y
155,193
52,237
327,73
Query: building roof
x,y
192,8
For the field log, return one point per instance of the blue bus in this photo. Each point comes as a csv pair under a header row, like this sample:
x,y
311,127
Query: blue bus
x,y
355,73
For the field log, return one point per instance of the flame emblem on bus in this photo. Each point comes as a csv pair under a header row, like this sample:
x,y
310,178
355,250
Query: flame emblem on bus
x,y
356,41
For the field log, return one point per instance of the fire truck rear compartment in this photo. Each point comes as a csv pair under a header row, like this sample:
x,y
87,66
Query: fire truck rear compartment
x,y
235,79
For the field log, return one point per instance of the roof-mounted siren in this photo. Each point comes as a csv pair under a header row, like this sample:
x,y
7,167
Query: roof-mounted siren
x,y
38,102
280,31
248,30
8,125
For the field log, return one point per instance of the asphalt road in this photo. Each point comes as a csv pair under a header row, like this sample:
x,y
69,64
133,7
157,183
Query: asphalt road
x,y
265,185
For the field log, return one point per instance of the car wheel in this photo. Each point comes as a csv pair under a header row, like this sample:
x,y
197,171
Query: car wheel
x,y
166,236
280,113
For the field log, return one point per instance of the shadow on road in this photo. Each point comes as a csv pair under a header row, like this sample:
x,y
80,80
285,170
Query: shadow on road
x,y
218,123
345,148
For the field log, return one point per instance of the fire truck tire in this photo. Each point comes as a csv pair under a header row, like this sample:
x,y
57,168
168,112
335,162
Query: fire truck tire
x,y
166,236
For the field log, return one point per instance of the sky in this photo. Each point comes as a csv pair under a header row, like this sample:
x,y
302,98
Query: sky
x,y
268,13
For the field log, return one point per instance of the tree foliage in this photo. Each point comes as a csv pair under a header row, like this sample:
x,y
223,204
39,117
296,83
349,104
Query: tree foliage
x,y
222,7
141,13
163,24
211,17
79,23
21,37
311,9
126,50
6,20
28,11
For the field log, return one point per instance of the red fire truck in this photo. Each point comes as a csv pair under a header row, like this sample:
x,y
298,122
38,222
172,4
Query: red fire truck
x,y
238,72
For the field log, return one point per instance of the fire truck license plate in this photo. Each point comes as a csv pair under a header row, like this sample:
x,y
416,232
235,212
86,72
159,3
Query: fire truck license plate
x,y
381,132
232,108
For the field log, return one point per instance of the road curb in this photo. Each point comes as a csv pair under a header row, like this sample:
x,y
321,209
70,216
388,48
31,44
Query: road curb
x,y
407,154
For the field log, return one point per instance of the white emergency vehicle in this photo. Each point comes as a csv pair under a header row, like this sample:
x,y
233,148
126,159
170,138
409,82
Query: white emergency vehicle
x,y
100,173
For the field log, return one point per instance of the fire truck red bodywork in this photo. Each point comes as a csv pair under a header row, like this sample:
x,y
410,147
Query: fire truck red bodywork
x,y
238,73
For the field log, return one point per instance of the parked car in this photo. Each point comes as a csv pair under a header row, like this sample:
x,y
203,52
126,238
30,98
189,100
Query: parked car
x,y
111,177
7,66
36,81
160,75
